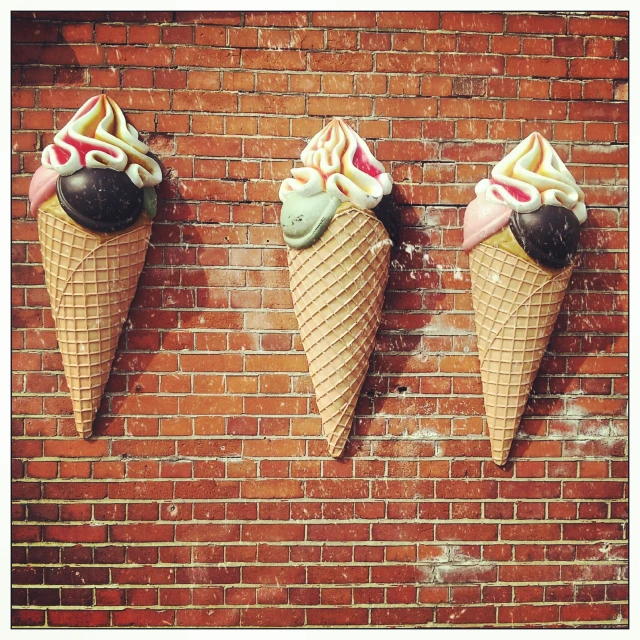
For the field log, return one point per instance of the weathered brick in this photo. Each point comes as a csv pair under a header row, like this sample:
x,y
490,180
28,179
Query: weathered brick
x,y
206,497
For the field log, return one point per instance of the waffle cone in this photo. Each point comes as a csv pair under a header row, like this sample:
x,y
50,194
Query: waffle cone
x,y
338,287
516,305
91,280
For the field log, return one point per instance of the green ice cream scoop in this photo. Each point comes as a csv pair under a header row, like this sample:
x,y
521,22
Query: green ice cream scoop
x,y
304,219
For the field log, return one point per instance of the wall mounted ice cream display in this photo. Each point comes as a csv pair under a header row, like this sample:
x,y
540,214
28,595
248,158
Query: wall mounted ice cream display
x,y
95,198
521,232
339,266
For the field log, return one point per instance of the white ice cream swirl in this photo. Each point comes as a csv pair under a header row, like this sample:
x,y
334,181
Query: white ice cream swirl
x,y
533,175
99,137
339,162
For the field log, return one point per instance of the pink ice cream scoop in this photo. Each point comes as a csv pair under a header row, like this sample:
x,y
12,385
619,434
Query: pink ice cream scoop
x,y
482,219
42,186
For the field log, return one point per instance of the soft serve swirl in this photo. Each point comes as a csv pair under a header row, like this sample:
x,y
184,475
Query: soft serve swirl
x,y
530,176
99,137
339,162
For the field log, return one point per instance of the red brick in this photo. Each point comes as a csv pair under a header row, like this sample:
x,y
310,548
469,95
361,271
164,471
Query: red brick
x,y
537,67
466,489
210,617
135,16
78,618
277,60
407,531
472,64
589,612
77,534
208,17
275,532
320,105
266,617
595,531
466,615
528,614
273,575
276,19
144,34
568,47
146,618
465,108
345,62
600,47
529,573
536,109
407,62
337,617
423,20
468,43
406,107
338,532
599,25
594,490
206,57
466,532
536,24
343,19
593,68
598,111
530,532
216,36
464,21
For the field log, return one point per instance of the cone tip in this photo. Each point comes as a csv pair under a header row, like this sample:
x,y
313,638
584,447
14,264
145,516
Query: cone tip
x,y
336,449
85,434
337,440
501,459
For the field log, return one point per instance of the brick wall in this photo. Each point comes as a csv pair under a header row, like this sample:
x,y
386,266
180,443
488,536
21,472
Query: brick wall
x,y
206,496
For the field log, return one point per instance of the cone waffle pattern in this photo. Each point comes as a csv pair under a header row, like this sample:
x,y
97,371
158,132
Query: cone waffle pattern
x,y
91,283
516,306
338,289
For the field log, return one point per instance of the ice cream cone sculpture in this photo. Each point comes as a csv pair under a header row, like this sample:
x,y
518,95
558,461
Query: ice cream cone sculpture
x,y
95,201
521,232
338,255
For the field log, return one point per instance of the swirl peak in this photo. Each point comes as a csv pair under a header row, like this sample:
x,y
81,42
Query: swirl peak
x,y
337,160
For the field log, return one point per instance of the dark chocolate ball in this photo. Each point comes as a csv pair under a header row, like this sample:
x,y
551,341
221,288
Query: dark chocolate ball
x,y
100,199
549,235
